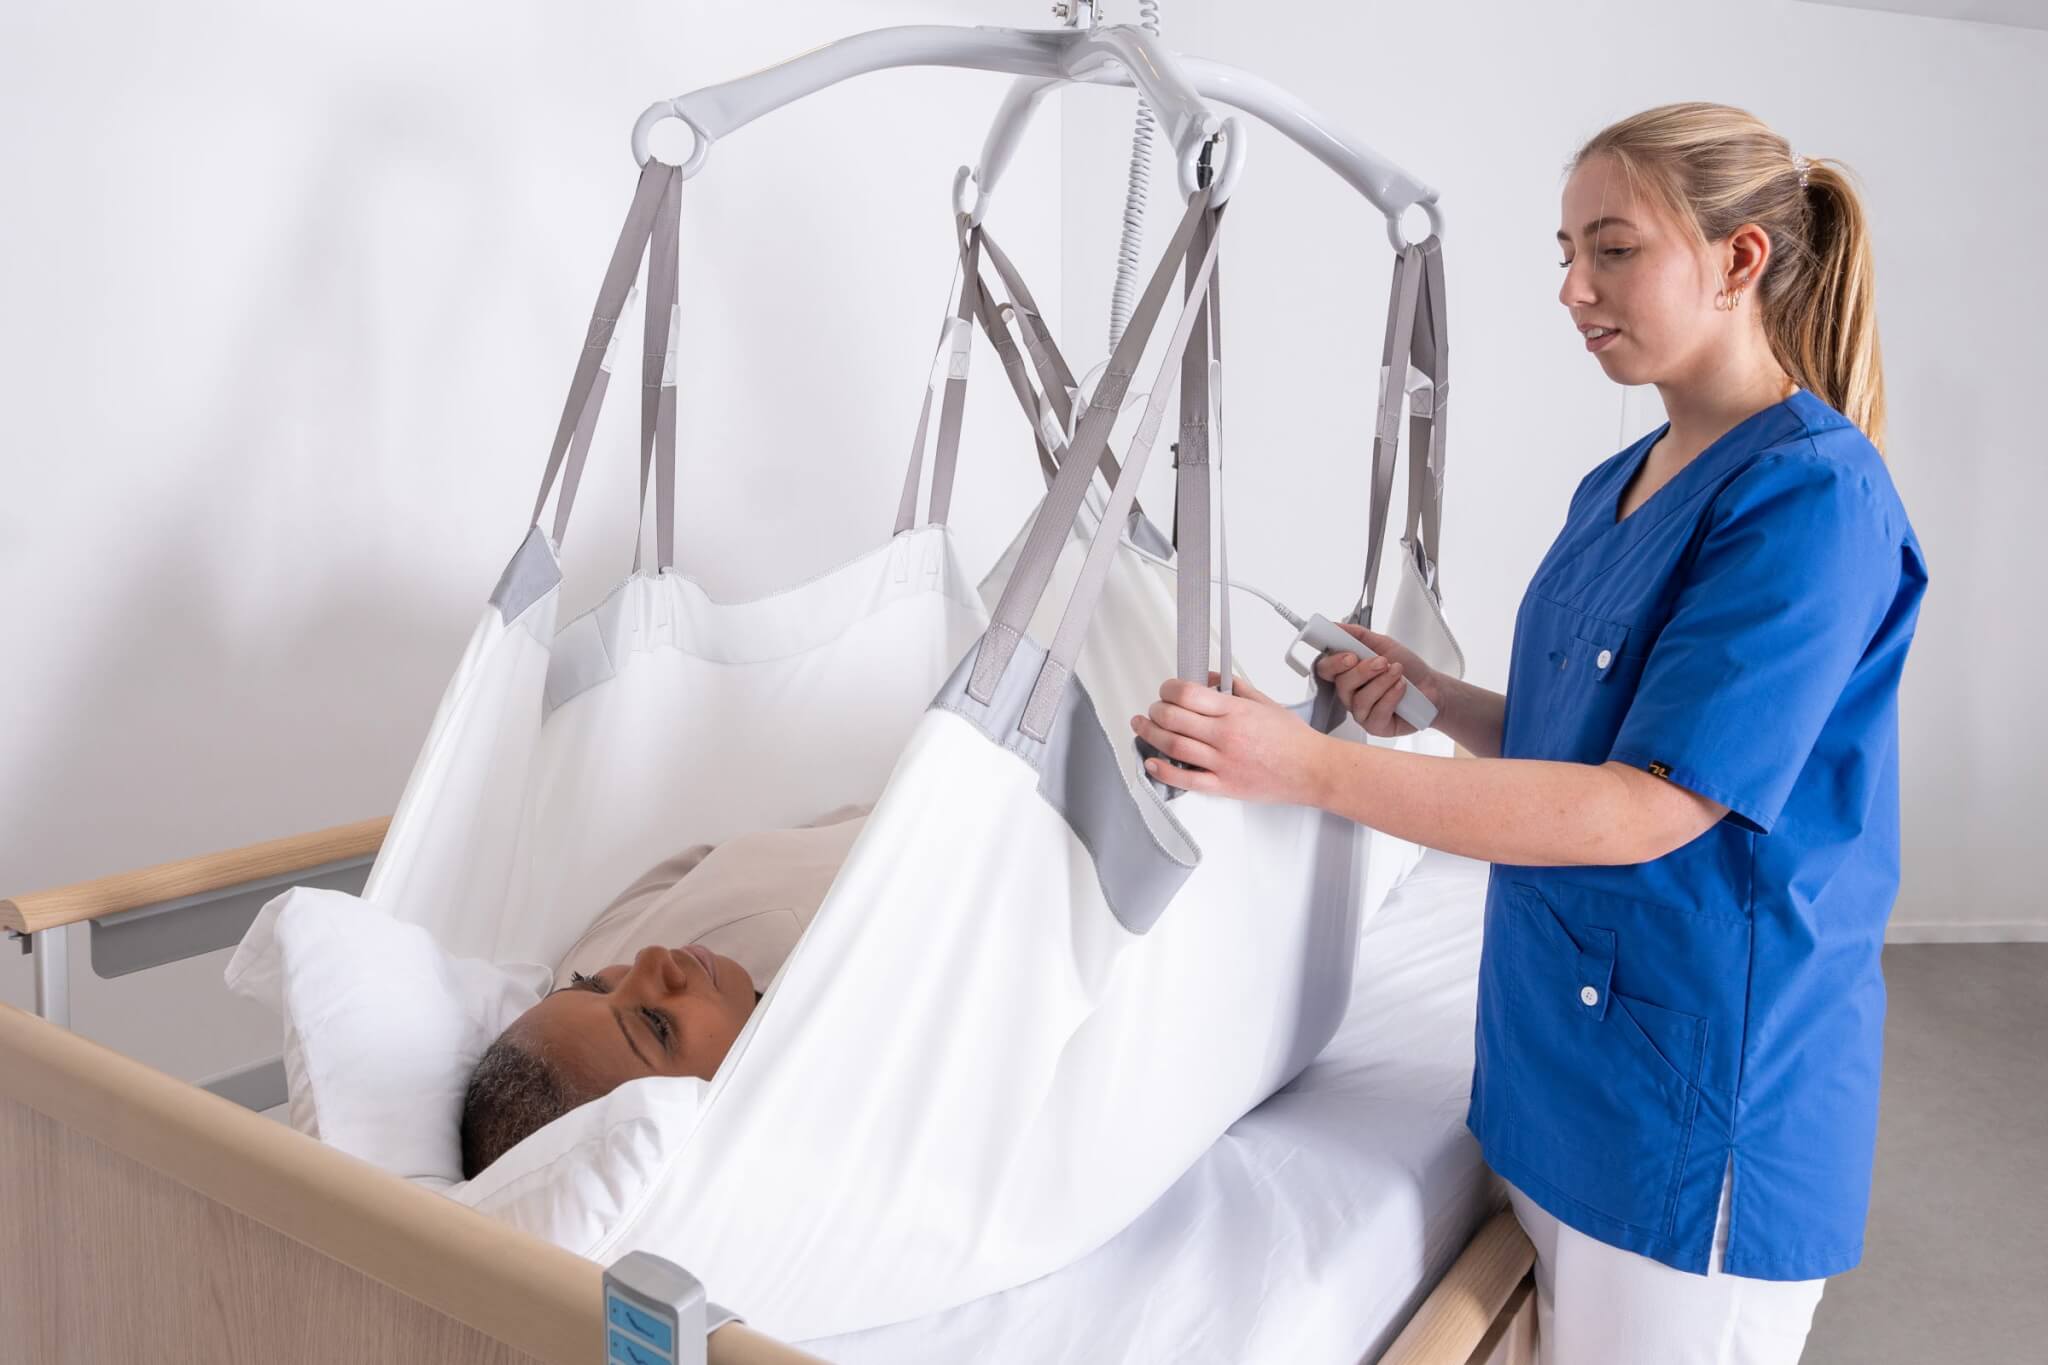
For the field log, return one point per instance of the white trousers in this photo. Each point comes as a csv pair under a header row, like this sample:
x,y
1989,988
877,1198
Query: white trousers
x,y
1599,1305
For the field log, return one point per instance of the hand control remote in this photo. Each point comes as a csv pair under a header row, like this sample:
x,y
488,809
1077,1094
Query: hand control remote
x,y
1330,638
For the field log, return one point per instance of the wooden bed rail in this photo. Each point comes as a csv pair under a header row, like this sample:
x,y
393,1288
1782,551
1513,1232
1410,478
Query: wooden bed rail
x,y
39,910
542,1302
537,1299
1457,1316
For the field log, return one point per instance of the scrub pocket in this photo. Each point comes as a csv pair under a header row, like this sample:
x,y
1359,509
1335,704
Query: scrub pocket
x,y
1592,667
1610,1080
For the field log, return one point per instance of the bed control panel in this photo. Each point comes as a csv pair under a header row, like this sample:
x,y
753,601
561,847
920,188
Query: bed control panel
x,y
655,1313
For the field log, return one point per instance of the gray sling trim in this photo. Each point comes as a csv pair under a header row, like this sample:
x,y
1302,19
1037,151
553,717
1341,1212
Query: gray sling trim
x,y
580,408
658,379
1056,514
529,575
1053,675
1141,854
1415,336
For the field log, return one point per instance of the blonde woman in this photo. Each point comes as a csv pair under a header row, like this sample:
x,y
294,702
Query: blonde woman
x,y
1689,791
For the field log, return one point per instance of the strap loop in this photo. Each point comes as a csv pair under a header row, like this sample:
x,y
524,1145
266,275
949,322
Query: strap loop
x,y
1415,374
951,403
1053,370
1061,656
1056,514
587,386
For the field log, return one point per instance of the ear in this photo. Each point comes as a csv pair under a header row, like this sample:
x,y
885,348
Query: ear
x,y
1748,252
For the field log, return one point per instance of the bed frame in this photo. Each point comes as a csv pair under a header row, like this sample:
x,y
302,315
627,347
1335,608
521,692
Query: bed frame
x,y
147,1218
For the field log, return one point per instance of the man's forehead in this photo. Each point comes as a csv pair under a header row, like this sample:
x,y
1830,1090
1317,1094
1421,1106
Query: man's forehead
x,y
580,1033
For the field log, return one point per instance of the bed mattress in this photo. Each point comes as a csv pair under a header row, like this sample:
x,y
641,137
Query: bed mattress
x,y
1310,1231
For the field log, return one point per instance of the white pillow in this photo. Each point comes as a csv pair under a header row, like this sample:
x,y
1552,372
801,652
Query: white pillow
x,y
382,1028
576,1180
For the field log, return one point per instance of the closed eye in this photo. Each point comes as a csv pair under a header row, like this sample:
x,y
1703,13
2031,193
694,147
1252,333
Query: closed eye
x,y
579,982
659,1022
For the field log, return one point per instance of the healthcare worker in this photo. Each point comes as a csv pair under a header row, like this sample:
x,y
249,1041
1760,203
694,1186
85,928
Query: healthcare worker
x,y
1689,791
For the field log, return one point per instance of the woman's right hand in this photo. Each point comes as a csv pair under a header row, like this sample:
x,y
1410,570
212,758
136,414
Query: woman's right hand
x,y
1370,687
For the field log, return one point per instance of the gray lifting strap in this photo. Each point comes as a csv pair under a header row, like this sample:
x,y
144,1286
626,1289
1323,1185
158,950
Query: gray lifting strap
x,y
1417,337
1053,371
955,338
1193,466
1193,561
1050,413
658,380
1062,504
1047,435
658,191
1056,515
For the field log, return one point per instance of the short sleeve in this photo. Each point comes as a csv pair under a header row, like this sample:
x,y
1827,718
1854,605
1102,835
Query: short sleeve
x,y
1793,579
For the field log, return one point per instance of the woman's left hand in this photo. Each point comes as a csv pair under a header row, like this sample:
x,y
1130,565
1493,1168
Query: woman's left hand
x,y
1243,744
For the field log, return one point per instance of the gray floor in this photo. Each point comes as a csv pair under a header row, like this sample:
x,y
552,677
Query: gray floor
x,y
1955,1260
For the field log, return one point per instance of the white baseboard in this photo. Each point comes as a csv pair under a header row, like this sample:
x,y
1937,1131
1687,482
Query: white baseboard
x,y
2007,931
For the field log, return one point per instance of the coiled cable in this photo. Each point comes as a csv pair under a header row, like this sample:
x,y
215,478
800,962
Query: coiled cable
x,y
1137,189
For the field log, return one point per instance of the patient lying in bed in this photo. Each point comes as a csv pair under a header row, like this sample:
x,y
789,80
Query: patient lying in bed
x,y
633,1005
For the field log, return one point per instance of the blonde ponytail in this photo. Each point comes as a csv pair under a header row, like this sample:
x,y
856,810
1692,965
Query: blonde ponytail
x,y
1825,328
1714,168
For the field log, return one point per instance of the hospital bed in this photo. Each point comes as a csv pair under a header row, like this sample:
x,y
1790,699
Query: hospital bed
x,y
145,1218
1349,1216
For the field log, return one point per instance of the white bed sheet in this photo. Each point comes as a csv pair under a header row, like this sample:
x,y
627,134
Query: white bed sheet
x,y
1312,1228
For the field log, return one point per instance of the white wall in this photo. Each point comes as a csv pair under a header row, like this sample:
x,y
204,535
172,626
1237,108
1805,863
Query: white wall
x,y
1486,99
292,295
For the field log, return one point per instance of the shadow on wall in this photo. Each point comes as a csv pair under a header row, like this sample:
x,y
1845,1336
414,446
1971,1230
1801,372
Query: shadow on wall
x,y
279,629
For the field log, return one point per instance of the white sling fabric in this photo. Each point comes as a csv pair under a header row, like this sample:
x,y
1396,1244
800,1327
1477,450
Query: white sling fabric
x,y
1033,994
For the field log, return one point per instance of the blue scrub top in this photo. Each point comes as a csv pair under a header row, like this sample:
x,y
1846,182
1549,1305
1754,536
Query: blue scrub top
x,y
1641,1027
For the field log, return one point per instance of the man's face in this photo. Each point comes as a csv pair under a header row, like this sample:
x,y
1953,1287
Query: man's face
x,y
671,1012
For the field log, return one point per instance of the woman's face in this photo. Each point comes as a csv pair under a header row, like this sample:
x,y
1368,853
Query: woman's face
x,y
671,1012
1629,269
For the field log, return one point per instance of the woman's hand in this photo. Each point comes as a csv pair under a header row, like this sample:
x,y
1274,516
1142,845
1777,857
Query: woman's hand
x,y
1244,745
1369,688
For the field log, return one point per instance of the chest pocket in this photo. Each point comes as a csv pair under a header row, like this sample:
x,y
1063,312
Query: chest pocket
x,y
1583,675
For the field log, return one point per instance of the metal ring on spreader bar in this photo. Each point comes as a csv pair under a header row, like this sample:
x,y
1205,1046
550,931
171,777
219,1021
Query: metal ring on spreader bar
x,y
643,128
1436,222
